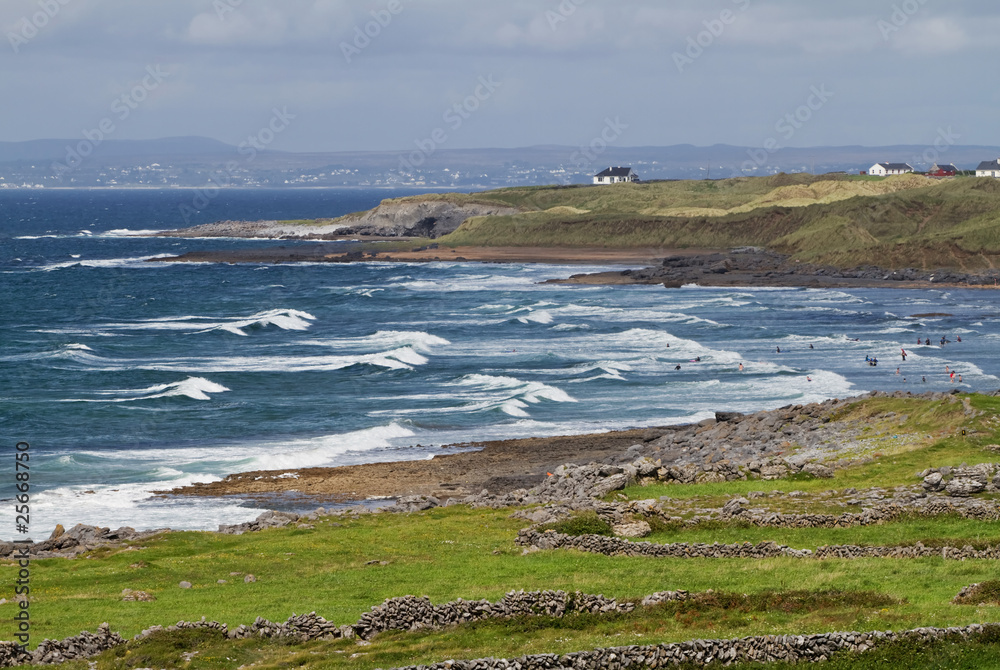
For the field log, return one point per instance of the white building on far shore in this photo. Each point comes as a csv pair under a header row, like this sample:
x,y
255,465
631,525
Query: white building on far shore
x,y
989,169
886,169
615,175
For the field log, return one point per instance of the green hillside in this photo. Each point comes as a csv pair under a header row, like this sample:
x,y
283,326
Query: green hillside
x,y
838,219
341,566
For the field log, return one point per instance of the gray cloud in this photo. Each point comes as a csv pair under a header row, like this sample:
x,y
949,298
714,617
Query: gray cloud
x,y
360,76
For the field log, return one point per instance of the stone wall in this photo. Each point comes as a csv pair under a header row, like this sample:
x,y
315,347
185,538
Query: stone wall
x,y
760,649
405,613
615,546
84,645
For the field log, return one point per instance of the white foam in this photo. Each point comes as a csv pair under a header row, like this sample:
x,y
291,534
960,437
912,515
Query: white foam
x,y
135,262
384,339
532,392
125,232
325,450
536,317
285,319
196,388
483,393
132,505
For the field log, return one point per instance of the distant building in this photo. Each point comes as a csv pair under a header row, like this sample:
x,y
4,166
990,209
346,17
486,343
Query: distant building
x,y
886,169
615,175
943,171
989,169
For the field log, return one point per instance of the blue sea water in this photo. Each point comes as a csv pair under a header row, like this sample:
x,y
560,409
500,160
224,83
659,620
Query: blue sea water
x,y
127,376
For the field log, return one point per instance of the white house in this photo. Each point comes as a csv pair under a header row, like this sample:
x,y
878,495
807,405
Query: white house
x,y
989,169
886,169
614,175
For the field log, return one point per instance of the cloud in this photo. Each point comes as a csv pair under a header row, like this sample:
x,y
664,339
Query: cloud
x,y
931,36
234,26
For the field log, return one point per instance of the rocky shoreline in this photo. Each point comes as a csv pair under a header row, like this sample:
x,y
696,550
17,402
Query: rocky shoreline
x,y
569,473
743,267
810,441
767,445
752,266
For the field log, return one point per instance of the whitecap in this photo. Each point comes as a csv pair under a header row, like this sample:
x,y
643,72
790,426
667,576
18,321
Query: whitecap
x,y
196,388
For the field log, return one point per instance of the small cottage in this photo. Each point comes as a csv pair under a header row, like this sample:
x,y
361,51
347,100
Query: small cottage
x,y
943,171
886,169
615,175
989,169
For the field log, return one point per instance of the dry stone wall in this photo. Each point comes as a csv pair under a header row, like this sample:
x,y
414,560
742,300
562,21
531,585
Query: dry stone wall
x,y
412,613
760,649
615,546
405,613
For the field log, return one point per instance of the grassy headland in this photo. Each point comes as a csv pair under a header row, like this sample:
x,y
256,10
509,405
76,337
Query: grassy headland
x,y
340,566
842,220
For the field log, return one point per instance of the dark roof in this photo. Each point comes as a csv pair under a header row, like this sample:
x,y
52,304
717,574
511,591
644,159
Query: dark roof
x,y
946,168
896,166
989,165
615,172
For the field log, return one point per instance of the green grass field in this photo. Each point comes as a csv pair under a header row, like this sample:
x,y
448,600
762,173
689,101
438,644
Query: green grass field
x,y
895,222
346,564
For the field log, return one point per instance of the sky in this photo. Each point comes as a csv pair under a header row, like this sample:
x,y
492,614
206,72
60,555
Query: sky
x,y
339,75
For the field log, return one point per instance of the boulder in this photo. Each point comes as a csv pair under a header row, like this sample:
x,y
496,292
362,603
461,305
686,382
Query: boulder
x,y
961,487
634,529
773,472
735,506
933,482
818,470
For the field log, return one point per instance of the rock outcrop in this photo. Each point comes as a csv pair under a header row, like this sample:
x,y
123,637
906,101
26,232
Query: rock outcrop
x,y
408,217
418,218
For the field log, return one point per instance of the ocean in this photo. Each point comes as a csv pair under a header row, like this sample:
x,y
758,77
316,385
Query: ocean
x,y
127,376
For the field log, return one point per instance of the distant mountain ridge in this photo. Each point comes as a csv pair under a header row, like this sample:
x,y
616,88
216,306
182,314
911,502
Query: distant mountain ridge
x,y
50,150
194,162
679,156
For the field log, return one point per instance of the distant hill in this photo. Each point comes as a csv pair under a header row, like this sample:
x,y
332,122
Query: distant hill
x,y
842,220
682,161
139,151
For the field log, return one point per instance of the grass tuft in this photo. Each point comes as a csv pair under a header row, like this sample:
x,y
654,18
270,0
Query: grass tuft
x,y
586,523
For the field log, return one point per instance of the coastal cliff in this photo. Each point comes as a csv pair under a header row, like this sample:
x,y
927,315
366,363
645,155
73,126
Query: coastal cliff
x,y
407,217
418,218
